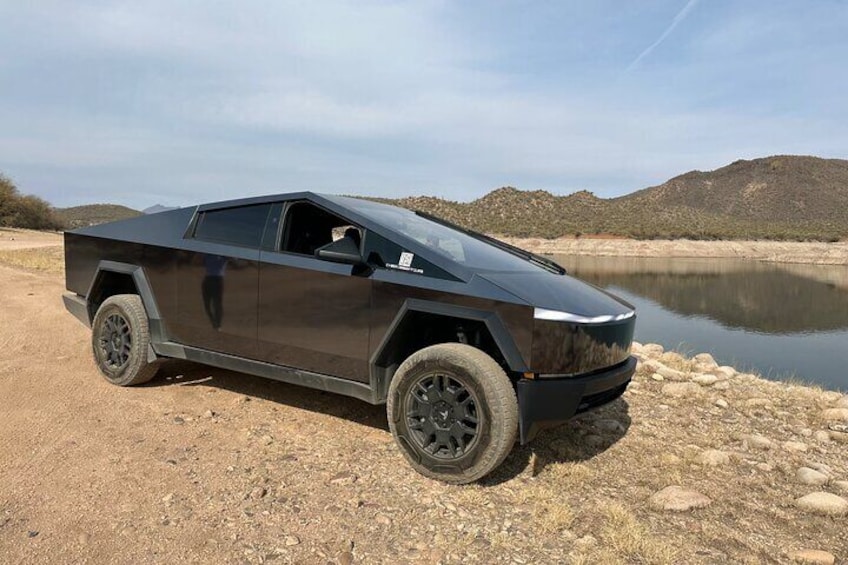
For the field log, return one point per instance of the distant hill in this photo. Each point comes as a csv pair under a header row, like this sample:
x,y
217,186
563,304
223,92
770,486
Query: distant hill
x,y
92,214
780,197
156,208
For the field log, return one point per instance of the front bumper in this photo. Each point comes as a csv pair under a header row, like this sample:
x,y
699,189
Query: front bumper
x,y
558,399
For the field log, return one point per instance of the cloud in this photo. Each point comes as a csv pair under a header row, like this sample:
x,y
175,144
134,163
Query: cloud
x,y
179,103
681,15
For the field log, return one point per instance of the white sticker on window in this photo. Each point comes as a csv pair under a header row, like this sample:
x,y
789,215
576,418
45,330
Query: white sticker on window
x,y
406,259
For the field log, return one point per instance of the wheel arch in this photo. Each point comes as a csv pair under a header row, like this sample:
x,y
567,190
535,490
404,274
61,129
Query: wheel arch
x,y
112,278
441,319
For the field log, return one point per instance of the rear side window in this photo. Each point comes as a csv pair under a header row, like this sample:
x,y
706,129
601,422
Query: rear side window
x,y
242,226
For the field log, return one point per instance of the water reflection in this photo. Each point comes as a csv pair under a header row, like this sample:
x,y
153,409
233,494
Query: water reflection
x,y
777,319
760,297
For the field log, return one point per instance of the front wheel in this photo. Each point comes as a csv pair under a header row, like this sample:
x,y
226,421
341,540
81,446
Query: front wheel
x,y
120,338
453,412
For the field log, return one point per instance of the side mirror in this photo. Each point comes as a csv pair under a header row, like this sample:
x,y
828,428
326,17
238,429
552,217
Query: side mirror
x,y
343,250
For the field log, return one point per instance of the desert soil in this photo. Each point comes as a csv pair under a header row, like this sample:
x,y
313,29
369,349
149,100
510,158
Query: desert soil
x,y
210,466
774,251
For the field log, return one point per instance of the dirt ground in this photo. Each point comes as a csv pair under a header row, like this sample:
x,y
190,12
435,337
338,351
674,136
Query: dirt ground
x,y
209,466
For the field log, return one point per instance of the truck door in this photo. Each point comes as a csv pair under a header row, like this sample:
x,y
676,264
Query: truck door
x,y
313,314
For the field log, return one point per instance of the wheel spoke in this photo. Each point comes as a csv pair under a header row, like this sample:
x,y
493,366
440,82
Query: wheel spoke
x,y
441,415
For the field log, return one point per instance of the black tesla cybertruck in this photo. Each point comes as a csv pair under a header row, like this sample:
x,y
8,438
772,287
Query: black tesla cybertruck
x,y
469,341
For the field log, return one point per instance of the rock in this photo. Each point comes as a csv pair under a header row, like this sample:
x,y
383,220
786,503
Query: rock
x,y
343,478
821,436
725,371
168,498
721,403
757,441
670,459
609,425
652,350
705,380
672,357
292,540
823,503
806,432
84,538
820,467
841,437
258,492
657,377
721,385
795,446
671,374
705,359
808,476
267,440
32,533
678,499
841,486
757,402
345,558
831,396
713,458
209,414
812,557
835,415
842,402
681,390
383,520
765,467
635,347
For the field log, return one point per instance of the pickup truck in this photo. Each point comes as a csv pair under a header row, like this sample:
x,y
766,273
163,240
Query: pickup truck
x,y
470,343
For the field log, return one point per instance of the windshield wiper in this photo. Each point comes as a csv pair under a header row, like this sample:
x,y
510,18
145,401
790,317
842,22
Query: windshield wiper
x,y
538,260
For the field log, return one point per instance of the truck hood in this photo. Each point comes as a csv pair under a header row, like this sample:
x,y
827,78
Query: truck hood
x,y
560,293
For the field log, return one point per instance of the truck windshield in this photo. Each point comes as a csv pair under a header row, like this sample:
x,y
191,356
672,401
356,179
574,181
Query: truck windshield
x,y
456,244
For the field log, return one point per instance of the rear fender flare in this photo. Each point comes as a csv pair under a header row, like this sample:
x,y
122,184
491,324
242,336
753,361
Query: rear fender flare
x,y
142,285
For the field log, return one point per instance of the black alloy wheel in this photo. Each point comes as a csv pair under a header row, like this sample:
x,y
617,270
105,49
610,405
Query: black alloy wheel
x,y
115,341
441,414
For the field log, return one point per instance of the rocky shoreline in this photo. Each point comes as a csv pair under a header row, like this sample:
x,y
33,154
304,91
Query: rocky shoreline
x,y
805,446
806,252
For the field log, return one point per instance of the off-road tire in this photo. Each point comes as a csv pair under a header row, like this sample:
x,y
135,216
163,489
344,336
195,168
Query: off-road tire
x,y
122,362
496,412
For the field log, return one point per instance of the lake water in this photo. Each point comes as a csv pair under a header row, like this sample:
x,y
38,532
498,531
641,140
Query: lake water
x,y
780,320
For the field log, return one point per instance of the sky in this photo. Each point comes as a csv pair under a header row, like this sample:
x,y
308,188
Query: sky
x,y
177,103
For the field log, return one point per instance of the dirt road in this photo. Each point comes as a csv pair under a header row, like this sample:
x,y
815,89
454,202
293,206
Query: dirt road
x,y
209,466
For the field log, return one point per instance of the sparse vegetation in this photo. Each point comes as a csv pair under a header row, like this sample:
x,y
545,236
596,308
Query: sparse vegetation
x,y
24,211
92,214
786,198
45,259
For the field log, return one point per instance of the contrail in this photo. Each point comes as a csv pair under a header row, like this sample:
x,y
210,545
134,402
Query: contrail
x,y
674,23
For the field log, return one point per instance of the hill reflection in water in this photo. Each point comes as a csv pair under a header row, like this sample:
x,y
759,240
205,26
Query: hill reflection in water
x,y
778,319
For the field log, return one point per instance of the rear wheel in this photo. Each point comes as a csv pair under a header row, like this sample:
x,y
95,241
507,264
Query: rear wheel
x,y
453,412
120,339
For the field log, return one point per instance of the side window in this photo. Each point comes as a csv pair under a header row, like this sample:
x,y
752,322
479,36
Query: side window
x,y
308,227
381,252
242,226
272,228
